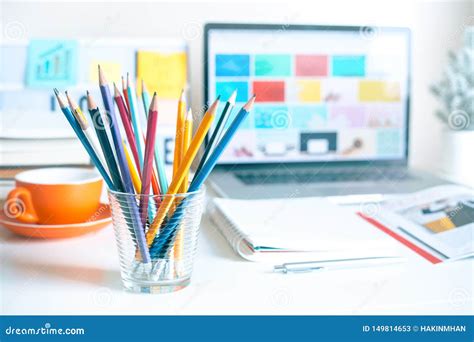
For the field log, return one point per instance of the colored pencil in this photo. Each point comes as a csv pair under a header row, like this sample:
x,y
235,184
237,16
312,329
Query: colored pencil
x,y
154,180
84,124
127,126
188,135
115,131
122,163
159,165
212,160
145,97
178,142
99,125
218,130
227,112
183,170
156,191
137,127
163,242
148,162
80,134
137,183
77,112
125,96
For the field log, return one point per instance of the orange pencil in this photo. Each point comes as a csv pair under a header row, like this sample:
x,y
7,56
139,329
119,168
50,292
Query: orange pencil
x,y
188,135
178,143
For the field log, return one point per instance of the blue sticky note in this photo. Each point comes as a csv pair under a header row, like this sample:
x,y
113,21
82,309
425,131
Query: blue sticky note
x,y
52,63
232,65
348,65
225,89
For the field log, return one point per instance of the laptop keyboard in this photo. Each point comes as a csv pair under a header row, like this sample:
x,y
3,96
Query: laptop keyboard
x,y
351,175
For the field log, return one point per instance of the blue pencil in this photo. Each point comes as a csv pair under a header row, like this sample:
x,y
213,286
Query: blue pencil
x,y
216,134
145,97
165,240
122,162
80,134
137,127
99,126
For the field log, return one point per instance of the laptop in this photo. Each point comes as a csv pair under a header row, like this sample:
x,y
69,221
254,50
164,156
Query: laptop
x,y
331,117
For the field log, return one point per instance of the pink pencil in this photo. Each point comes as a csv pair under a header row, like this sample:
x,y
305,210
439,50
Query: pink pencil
x,y
126,124
148,157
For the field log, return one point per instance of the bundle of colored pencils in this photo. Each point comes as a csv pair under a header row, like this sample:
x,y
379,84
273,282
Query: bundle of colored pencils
x,y
131,163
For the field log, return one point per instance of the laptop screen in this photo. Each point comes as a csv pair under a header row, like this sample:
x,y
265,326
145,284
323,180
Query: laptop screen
x,y
322,94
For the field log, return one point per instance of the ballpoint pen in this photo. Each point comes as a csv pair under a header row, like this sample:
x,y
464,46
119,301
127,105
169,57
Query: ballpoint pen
x,y
310,266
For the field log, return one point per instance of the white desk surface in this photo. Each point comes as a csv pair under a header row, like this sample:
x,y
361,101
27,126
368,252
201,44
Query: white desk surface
x,y
81,276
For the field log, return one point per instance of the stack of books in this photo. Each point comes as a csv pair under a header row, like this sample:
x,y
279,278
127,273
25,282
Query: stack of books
x,y
23,144
41,152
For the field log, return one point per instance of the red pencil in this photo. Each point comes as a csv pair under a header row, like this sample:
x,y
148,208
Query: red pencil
x,y
126,124
154,181
125,95
148,157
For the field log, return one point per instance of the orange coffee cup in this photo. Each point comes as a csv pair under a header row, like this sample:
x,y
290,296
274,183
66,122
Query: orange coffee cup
x,y
54,196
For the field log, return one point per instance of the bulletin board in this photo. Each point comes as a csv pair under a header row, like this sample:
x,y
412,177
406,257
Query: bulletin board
x,y
30,70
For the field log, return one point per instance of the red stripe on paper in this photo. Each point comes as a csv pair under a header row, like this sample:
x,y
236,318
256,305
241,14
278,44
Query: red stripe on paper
x,y
430,257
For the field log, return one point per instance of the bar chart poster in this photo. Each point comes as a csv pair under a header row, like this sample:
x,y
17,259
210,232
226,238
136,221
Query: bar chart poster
x,y
52,63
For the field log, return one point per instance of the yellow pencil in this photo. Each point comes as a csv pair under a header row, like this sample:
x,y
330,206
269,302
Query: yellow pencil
x,y
188,135
137,184
178,142
76,110
182,170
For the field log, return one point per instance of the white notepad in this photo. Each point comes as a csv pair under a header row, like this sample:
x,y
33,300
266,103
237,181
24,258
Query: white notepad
x,y
289,228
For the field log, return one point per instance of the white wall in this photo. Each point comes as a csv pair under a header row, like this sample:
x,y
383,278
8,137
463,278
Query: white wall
x,y
437,27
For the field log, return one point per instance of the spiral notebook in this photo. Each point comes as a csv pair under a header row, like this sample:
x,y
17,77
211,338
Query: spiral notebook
x,y
297,229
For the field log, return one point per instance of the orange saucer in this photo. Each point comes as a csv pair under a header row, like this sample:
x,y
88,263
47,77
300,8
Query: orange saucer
x,y
53,231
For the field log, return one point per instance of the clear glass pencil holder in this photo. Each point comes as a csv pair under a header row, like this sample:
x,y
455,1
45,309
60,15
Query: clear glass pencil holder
x,y
156,250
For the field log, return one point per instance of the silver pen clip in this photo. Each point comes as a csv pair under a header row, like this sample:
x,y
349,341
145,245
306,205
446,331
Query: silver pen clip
x,y
310,266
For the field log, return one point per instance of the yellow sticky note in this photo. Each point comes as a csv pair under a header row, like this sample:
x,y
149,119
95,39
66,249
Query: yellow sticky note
x,y
309,91
112,71
379,91
163,73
